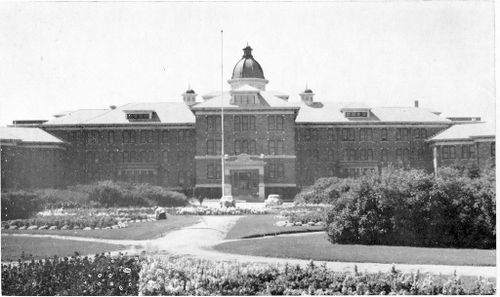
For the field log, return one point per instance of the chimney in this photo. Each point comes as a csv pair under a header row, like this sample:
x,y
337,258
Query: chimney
x,y
112,107
416,103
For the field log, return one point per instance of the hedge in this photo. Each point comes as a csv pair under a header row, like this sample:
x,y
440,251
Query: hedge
x,y
410,208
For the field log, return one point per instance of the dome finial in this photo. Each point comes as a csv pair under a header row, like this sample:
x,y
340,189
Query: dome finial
x,y
247,52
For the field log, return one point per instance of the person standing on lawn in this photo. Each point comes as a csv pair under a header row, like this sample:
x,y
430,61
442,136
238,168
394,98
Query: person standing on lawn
x,y
160,213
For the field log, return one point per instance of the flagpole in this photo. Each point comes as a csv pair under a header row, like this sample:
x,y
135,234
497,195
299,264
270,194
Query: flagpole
x,y
222,107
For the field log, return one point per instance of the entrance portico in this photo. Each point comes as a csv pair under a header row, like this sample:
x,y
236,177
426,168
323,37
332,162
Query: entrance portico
x,y
244,176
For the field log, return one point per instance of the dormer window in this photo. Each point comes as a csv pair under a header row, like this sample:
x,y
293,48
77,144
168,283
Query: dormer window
x,y
356,114
139,116
245,99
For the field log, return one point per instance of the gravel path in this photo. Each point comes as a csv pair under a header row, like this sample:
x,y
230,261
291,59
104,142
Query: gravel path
x,y
198,241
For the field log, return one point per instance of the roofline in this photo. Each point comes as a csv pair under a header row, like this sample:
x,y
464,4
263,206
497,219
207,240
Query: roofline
x,y
246,109
463,139
368,122
119,125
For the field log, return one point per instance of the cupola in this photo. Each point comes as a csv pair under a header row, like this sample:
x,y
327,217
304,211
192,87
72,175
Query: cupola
x,y
248,72
189,96
307,96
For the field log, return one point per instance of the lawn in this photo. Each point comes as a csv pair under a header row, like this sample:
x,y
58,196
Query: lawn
x,y
14,246
317,247
261,225
135,231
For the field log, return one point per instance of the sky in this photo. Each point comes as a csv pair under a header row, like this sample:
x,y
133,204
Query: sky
x,y
59,56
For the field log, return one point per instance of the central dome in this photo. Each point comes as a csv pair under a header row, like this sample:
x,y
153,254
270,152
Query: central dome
x,y
247,67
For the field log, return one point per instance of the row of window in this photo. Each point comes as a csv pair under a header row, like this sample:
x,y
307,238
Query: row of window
x,y
246,146
245,99
364,134
246,123
133,136
135,156
367,154
450,152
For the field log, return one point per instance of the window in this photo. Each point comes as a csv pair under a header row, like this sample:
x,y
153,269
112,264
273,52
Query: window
x,y
383,134
348,134
331,155
276,170
416,133
403,134
244,123
237,147
111,137
253,148
213,123
307,134
92,137
362,155
314,135
406,155
384,155
468,151
214,171
271,122
420,154
275,122
492,149
252,123
369,154
399,154
448,152
356,114
237,123
213,147
316,154
350,155
366,134
331,135
423,133
133,137
138,116
276,147
164,136
164,156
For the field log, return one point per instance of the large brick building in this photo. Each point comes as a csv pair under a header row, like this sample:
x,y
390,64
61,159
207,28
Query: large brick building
x,y
271,144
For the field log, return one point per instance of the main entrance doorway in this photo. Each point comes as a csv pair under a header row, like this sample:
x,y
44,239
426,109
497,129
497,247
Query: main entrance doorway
x,y
245,184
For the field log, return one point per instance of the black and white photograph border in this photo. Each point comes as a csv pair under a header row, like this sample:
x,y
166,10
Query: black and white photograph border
x,y
248,147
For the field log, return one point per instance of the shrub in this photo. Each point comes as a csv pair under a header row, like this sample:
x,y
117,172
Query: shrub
x,y
109,193
414,208
19,205
181,276
101,275
56,198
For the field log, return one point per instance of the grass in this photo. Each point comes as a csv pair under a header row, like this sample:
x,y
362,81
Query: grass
x,y
14,246
317,247
262,225
135,231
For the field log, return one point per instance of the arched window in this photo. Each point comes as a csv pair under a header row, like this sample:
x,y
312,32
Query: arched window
x,y
244,146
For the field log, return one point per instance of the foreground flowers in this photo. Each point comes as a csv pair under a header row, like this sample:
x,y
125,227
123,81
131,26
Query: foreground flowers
x,y
105,275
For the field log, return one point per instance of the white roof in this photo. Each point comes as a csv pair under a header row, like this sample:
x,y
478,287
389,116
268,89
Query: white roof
x,y
268,100
27,135
466,132
329,112
75,117
166,112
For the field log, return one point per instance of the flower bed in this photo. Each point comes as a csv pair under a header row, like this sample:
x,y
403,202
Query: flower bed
x,y
181,276
86,219
101,275
303,215
105,275
220,211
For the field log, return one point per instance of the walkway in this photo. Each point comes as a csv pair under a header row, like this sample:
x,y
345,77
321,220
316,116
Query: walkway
x,y
198,241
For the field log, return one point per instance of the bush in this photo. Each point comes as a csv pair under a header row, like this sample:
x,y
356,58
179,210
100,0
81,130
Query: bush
x,y
56,198
181,276
102,275
109,193
19,205
410,208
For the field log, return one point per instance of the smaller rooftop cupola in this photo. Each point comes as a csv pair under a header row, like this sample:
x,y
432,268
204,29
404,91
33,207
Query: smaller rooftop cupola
x,y
189,96
307,96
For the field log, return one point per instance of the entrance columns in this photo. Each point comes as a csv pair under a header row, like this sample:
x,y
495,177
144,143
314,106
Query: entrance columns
x,y
244,162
